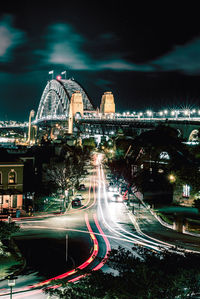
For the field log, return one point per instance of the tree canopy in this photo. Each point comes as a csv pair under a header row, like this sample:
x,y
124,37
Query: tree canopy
x,y
140,274
7,229
65,174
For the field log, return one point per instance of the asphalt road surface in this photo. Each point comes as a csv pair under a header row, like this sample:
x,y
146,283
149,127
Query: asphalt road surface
x,y
59,246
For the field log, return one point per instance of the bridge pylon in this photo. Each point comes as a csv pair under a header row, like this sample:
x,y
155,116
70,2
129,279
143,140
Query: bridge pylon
x,y
31,115
76,106
107,103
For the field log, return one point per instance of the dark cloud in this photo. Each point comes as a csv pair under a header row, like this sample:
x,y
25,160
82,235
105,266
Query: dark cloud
x,y
65,46
10,38
144,58
185,58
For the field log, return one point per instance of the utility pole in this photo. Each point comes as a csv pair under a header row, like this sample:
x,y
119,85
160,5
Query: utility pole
x,y
67,247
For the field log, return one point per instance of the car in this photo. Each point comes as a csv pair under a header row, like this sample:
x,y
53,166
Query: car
x,y
81,187
79,196
116,197
76,202
112,188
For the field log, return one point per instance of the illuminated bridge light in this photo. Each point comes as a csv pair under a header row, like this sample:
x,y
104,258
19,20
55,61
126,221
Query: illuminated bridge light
x,y
58,77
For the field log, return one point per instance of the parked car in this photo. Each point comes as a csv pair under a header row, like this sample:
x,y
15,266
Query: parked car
x,y
113,188
76,202
81,187
116,197
79,196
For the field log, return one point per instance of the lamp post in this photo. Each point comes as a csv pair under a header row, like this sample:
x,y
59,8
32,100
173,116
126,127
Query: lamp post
x,y
67,238
150,114
172,178
187,112
11,284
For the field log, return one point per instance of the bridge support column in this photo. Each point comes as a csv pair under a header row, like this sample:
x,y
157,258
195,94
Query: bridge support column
x,y
32,113
76,106
107,103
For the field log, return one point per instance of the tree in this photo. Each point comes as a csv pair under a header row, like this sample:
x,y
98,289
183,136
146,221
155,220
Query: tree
x,y
89,143
153,170
66,174
140,275
190,175
7,229
197,204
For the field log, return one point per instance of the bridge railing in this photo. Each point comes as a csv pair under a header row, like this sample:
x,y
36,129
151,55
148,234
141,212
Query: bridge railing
x,y
136,118
94,116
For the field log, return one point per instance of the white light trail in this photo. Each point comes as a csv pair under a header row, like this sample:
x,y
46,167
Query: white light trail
x,y
143,239
134,239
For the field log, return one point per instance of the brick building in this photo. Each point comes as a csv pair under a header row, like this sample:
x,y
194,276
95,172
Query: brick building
x,y
11,186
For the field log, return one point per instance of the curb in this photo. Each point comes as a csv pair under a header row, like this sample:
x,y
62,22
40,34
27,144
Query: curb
x,y
163,223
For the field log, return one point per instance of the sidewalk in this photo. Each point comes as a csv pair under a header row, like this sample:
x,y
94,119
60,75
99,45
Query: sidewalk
x,y
153,227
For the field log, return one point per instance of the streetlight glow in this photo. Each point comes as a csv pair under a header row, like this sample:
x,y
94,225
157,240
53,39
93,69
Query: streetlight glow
x,y
172,178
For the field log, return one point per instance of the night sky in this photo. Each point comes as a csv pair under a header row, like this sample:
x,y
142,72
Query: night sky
x,y
149,57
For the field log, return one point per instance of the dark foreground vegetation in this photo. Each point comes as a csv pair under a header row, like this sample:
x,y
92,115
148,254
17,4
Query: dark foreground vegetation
x,y
140,274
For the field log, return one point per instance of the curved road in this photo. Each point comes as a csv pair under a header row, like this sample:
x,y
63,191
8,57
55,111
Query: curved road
x,y
58,247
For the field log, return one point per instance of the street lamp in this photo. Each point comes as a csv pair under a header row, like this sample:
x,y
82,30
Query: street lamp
x,y
11,284
172,178
140,114
150,113
165,112
175,113
187,112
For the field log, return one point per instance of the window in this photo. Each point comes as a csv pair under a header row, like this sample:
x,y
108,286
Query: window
x,y
12,177
186,191
0,177
14,205
164,156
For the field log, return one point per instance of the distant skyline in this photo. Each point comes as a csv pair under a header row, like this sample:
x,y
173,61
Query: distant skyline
x,y
148,57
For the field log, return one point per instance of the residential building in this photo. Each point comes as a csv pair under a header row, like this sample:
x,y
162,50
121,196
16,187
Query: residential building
x,y
11,186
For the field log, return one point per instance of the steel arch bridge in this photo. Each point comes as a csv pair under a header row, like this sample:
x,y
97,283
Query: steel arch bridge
x,y
55,100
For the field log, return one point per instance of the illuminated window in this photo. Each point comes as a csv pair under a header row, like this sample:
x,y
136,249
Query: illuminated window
x,y
186,191
164,156
12,177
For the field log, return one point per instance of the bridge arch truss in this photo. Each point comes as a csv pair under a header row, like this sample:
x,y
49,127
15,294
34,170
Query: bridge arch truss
x,y
55,100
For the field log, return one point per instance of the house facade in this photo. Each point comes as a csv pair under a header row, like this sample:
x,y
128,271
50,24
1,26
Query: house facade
x,y
11,186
